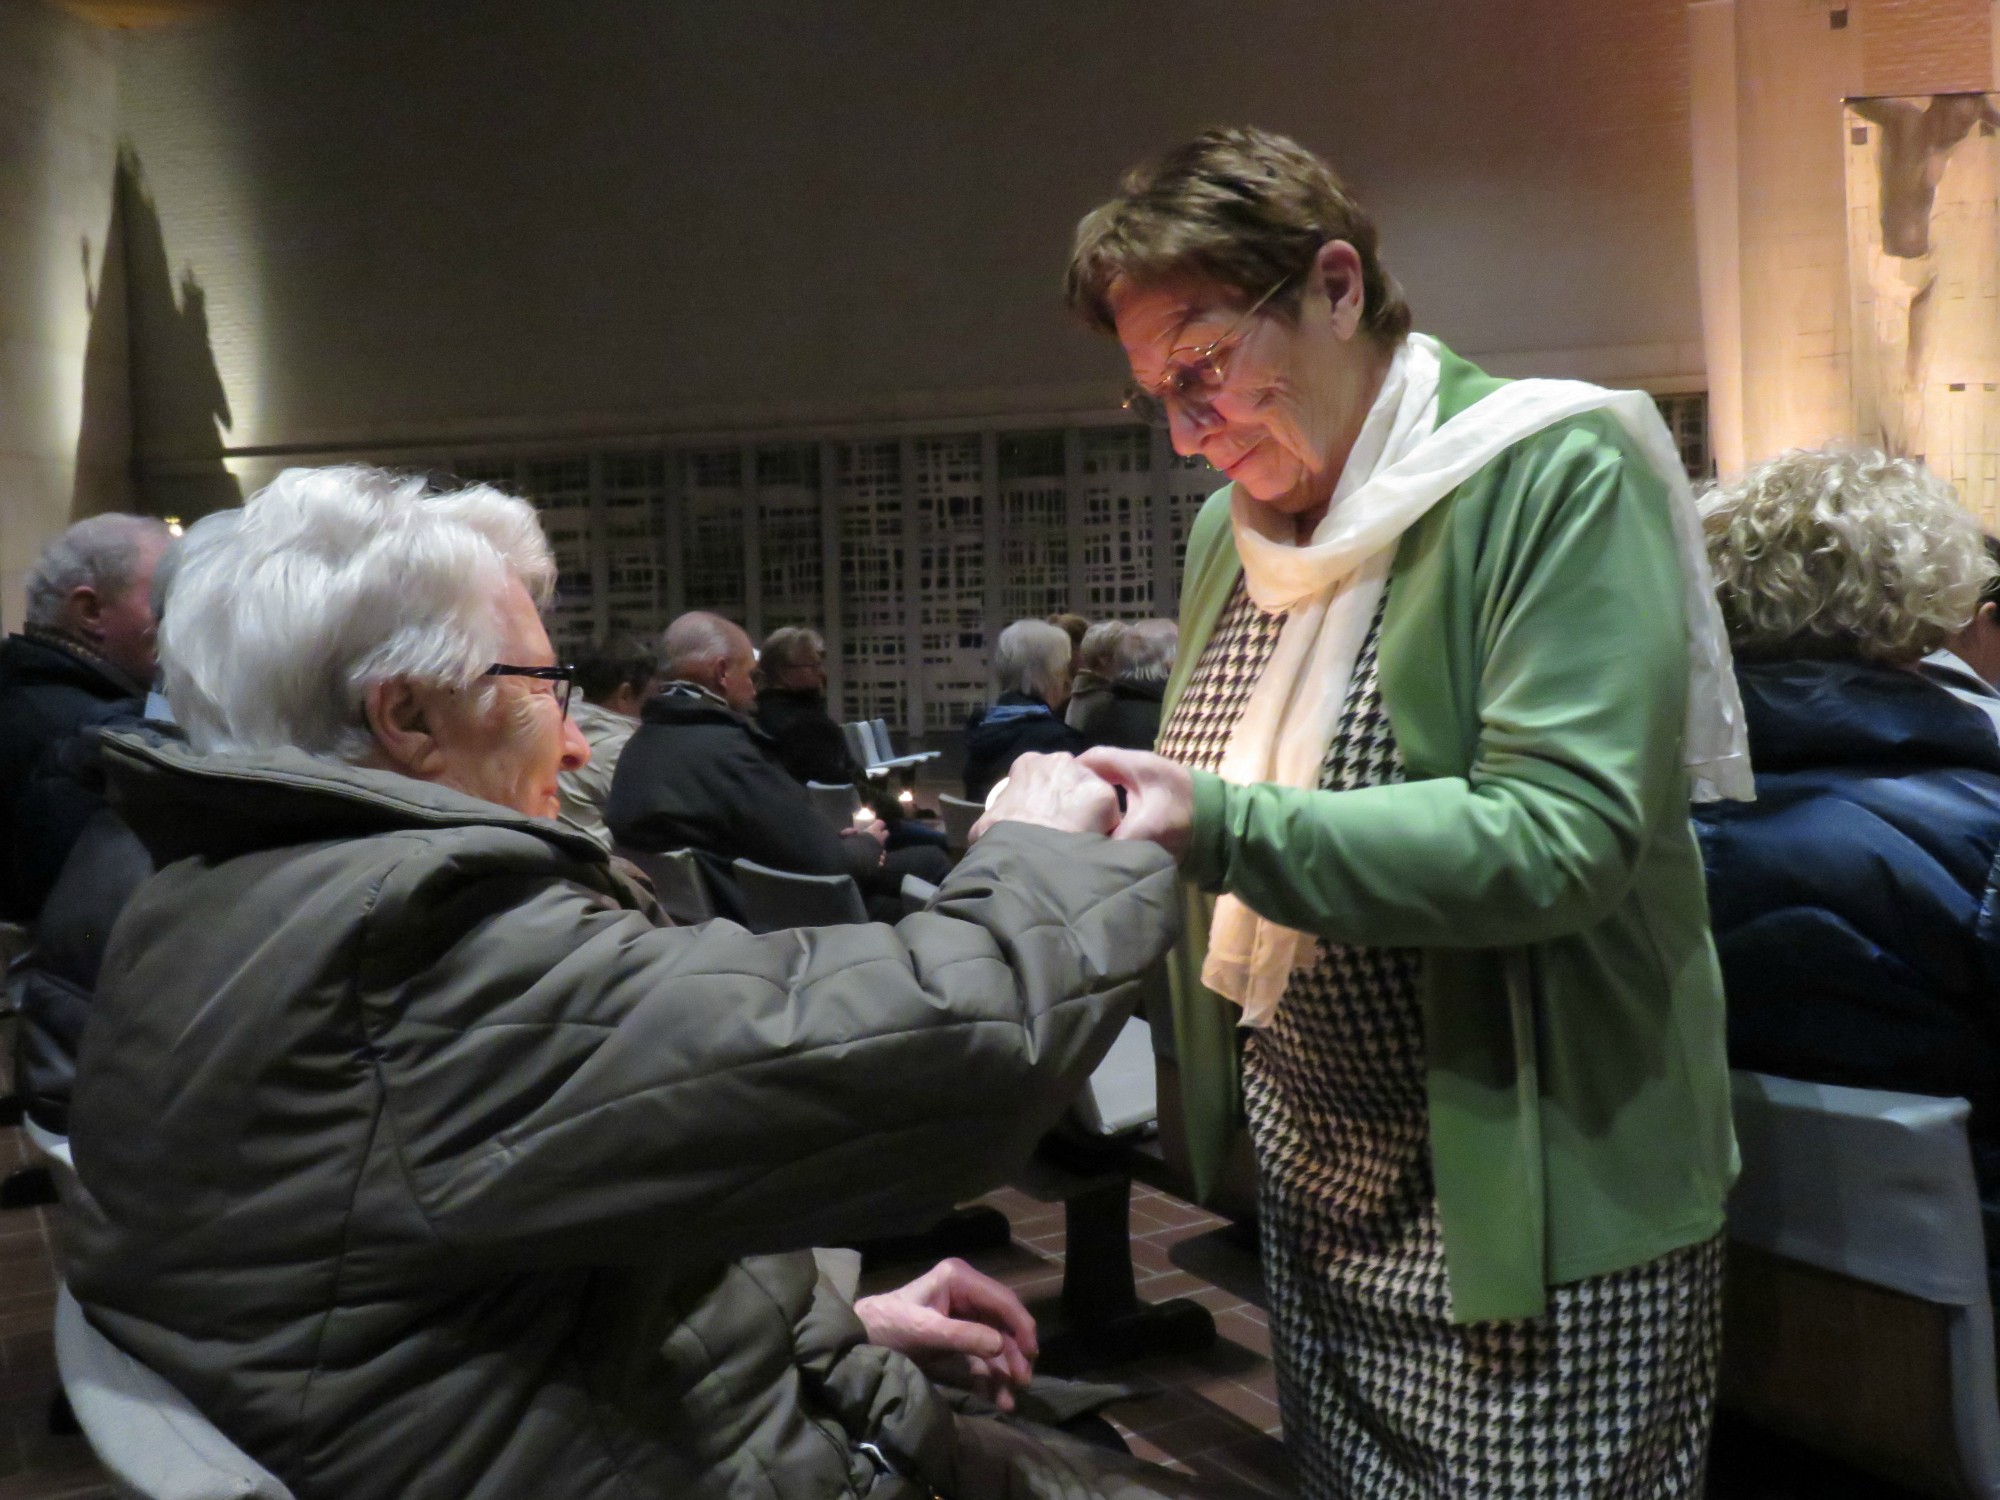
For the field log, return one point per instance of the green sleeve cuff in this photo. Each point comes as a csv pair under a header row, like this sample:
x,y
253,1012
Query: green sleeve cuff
x,y
1206,860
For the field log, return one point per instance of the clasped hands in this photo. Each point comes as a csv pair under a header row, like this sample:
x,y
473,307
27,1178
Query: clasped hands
x,y
1080,795
960,1327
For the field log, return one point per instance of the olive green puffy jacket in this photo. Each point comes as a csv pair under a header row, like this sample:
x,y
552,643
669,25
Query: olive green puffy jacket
x,y
427,1162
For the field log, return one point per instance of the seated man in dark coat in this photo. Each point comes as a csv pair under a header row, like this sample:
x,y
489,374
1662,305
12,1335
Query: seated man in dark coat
x,y
85,657
791,708
1141,663
1851,899
1031,664
700,774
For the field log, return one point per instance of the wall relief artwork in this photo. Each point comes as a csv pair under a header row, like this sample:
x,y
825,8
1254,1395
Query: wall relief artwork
x,y
1923,266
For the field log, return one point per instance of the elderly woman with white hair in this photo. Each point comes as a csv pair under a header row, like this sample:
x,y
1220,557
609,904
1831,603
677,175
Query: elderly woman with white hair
x,y
1031,668
1852,900
426,1159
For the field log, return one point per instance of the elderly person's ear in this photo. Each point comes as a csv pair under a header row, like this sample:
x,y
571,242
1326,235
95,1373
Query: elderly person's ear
x,y
1338,266
399,716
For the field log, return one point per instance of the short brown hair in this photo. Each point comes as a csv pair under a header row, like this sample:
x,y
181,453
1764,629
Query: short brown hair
x,y
1239,207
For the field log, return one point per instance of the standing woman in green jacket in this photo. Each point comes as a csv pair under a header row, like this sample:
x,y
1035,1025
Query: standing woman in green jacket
x,y
1450,669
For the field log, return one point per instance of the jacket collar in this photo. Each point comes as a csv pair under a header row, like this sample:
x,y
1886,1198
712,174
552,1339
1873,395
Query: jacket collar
x,y
1807,715
1009,708
681,702
183,803
40,654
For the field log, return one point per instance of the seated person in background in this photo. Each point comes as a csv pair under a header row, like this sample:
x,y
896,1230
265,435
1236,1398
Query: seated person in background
x,y
84,657
1090,690
1141,665
53,983
1850,899
1969,663
1031,663
614,680
700,774
791,708
1076,627
424,1160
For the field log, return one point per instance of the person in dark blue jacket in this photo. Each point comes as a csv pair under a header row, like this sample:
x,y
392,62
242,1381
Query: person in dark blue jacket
x,y
1031,664
1854,902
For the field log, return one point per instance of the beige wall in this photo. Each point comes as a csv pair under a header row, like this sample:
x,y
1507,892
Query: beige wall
x,y
58,99
1773,190
438,222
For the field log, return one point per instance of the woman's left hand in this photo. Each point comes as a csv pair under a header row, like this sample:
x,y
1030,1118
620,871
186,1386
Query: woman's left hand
x,y
1159,795
959,1326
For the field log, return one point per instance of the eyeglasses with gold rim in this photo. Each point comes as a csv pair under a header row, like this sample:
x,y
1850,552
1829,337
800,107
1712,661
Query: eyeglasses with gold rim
x,y
1194,384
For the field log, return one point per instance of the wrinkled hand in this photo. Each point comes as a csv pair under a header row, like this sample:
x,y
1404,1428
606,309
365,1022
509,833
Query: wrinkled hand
x,y
959,1327
1159,795
1053,791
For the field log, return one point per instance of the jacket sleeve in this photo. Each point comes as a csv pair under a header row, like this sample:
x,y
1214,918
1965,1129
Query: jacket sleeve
x,y
1580,712
661,1094
772,820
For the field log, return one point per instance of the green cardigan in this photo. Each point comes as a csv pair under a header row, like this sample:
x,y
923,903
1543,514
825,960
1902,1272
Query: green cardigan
x,y
1533,664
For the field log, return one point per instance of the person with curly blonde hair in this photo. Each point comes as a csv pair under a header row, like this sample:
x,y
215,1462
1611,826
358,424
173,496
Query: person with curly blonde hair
x,y
1843,553
1846,900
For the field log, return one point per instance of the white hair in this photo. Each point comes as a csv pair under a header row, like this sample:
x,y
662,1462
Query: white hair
x,y
329,581
1146,652
100,552
1843,553
1032,656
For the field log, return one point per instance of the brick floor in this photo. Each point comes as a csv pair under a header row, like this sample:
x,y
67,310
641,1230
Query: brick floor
x,y
1213,1413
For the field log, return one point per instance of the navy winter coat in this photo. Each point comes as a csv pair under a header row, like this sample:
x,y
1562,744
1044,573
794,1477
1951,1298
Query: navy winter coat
x,y
1853,901
1013,725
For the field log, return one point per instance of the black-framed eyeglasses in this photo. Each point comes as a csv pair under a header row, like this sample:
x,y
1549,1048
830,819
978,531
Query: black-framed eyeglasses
x,y
1193,384
564,678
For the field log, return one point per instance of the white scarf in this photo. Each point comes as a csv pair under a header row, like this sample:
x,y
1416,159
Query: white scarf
x,y
1402,464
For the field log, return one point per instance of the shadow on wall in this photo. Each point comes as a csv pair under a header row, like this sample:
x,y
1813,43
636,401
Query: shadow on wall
x,y
154,409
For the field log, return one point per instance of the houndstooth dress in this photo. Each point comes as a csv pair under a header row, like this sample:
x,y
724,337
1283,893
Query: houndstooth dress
x,y
1607,1394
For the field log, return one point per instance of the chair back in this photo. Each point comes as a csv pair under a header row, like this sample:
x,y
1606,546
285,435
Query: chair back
x,y
150,1437
959,815
1858,1318
836,802
677,882
885,748
1122,1093
774,900
860,743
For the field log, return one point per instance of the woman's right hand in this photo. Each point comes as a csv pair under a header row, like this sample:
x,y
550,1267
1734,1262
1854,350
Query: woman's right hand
x,y
1159,795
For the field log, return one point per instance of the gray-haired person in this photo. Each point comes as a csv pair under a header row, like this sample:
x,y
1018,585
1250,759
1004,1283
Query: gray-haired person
x,y
1031,667
84,655
1091,690
614,680
425,1158
1141,663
